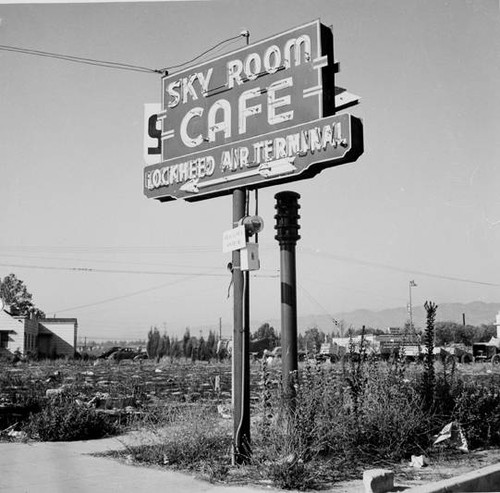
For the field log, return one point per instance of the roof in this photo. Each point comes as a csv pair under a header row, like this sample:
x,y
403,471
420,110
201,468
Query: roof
x,y
9,323
57,320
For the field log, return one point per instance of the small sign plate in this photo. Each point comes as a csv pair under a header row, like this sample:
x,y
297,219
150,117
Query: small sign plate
x,y
234,239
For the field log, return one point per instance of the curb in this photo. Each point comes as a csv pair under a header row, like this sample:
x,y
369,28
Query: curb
x,y
485,479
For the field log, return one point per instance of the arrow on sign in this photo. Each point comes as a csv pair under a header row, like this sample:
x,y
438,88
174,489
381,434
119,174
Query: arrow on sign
x,y
272,169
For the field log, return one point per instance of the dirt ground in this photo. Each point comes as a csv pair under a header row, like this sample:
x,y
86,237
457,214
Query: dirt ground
x,y
446,466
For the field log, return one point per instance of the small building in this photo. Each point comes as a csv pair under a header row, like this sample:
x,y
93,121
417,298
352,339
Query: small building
x,y
43,337
398,339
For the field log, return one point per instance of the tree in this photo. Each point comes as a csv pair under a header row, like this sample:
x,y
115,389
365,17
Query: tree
x,y
368,330
451,332
266,332
187,345
15,294
163,346
203,351
211,344
153,344
313,338
175,348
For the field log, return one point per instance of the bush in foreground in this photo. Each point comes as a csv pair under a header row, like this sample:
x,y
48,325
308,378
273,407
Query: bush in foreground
x,y
65,419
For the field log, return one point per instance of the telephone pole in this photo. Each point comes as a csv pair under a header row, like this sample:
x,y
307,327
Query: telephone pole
x,y
241,340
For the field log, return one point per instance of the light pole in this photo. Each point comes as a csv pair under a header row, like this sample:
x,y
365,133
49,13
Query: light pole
x,y
412,284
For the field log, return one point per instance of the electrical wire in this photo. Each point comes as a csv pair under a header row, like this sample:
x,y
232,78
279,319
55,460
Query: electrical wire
x,y
113,250
123,296
100,261
121,271
179,65
314,300
109,271
342,258
245,371
111,64
83,60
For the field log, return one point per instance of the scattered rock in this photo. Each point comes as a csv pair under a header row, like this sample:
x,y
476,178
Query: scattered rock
x,y
378,480
54,392
224,411
419,461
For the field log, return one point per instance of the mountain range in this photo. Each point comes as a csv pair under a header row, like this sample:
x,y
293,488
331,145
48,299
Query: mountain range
x,y
475,313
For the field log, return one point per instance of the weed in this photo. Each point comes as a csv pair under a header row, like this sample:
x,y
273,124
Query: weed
x,y
64,419
293,474
428,379
478,411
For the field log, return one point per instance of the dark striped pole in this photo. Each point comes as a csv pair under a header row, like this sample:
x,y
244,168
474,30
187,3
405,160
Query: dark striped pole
x,y
287,228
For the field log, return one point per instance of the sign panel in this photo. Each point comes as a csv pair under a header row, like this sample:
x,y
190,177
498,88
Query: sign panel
x,y
272,84
260,115
234,239
152,133
284,155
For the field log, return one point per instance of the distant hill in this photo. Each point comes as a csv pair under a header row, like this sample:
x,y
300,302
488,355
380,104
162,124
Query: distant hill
x,y
476,313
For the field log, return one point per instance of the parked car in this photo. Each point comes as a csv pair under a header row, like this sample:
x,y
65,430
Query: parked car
x,y
484,352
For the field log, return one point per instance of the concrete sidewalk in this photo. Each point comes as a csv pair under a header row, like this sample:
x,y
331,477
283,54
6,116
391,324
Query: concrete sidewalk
x,y
66,467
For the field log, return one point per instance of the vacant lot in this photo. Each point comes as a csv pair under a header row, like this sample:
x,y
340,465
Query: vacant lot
x,y
349,417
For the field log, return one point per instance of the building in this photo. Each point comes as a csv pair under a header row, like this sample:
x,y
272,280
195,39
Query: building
x,y
398,339
43,337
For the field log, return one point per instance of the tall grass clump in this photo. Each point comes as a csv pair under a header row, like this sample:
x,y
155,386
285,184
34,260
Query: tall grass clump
x,y
371,410
185,438
64,418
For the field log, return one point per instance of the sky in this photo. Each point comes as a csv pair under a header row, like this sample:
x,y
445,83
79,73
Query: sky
x,y
422,203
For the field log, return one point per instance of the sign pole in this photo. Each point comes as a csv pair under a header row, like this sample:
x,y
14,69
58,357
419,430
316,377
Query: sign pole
x,y
241,339
287,228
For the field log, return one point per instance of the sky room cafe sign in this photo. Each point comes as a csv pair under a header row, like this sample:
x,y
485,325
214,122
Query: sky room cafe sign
x,y
258,116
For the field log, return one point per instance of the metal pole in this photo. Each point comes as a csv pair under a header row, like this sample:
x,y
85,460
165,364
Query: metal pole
x,y
412,284
411,313
240,357
287,235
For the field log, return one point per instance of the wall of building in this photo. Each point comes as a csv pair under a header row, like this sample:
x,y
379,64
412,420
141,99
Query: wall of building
x,y
64,334
15,330
30,336
16,340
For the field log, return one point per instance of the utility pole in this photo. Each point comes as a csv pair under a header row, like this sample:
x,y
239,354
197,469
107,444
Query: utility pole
x,y
412,284
241,339
287,228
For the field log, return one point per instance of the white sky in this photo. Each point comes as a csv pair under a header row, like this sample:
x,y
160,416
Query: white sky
x,y
422,203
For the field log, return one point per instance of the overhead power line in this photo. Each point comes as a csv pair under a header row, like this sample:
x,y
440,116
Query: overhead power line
x,y
314,300
77,59
123,296
111,64
342,258
108,271
206,52
121,271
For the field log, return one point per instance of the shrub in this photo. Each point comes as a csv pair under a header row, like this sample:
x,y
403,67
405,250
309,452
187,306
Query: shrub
x,y
293,474
478,412
186,451
64,419
192,440
393,423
